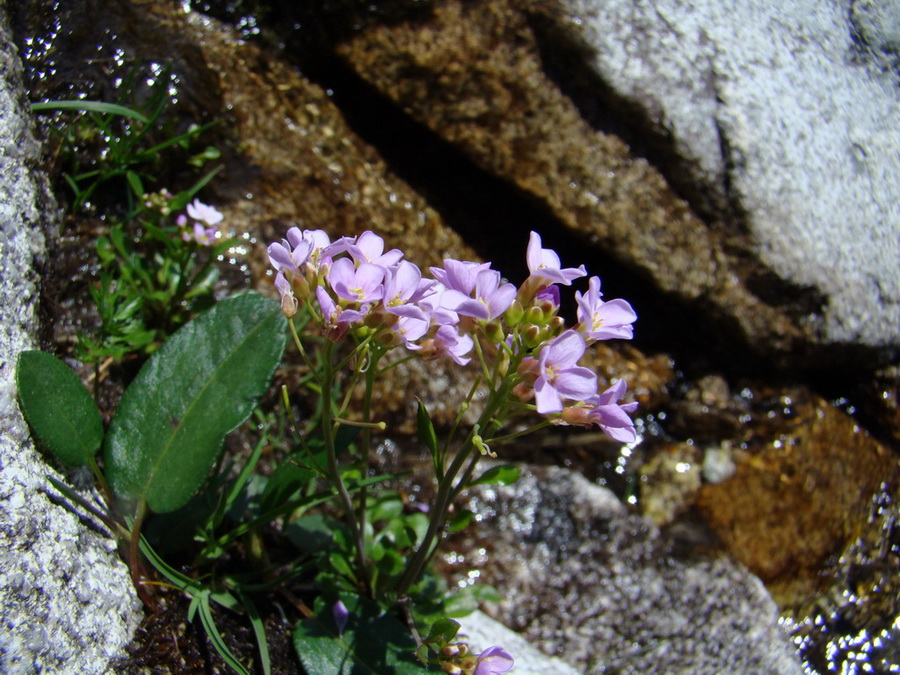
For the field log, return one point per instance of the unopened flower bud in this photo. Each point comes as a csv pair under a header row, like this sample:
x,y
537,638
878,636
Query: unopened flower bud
x,y
531,336
300,286
289,305
513,316
449,651
548,307
534,315
451,668
503,364
523,391
556,325
493,331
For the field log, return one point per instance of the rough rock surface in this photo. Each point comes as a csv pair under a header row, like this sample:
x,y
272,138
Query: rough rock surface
x,y
477,74
67,601
565,552
791,112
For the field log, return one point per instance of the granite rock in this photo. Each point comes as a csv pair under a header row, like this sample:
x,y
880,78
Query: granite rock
x,y
777,216
564,552
774,110
68,602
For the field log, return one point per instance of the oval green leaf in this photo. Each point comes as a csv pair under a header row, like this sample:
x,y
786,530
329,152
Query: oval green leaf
x,y
202,383
58,407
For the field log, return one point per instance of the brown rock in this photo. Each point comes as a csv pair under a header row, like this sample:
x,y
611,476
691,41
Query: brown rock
x,y
798,497
473,74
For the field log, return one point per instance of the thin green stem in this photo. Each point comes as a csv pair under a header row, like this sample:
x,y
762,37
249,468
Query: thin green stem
x,y
334,470
446,492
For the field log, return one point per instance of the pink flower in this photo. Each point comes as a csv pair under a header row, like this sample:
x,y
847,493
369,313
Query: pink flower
x,y
544,263
492,661
600,320
447,341
605,411
491,297
362,284
559,376
459,275
403,287
369,247
202,212
205,236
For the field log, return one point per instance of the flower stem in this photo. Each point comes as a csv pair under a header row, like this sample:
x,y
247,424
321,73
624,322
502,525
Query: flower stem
x,y
334,472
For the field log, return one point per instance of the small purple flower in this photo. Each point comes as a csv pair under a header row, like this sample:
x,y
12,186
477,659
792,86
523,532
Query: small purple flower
x,y
447,341
492,661
369,247
459,275
612,417
559,375
202,212
600,320
605,411
337,321
491,297
403,287
544,263
341,615
205,236
362,284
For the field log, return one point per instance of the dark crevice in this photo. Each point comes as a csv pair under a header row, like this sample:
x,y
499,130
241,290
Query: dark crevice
x,y
495,217
566,62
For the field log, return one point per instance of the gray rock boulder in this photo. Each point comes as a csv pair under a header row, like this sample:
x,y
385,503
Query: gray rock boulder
x,y
67,604
791,113
602,589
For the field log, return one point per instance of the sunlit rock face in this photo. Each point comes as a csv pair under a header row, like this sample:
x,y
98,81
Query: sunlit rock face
x,y
790,112
783,147
454,129
605,591
68,604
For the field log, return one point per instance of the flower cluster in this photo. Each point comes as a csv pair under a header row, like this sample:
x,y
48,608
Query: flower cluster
x,y
204,220
465,309
458,660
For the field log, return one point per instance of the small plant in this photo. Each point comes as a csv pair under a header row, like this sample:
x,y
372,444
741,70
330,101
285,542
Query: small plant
x,y
347,305
154,273
367,302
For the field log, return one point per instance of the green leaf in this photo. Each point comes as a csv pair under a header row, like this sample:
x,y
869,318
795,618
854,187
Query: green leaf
x,y
426,429
89,106
371,642
59,409
443,631
202,383
498,475
286,480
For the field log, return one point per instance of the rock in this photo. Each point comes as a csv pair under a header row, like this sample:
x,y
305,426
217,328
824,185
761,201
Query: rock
x,y
770,109
799,495
481,632
68,601
566,553
477,75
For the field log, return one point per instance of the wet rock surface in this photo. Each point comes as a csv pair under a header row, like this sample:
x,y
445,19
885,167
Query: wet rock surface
x,y
446,127
601,588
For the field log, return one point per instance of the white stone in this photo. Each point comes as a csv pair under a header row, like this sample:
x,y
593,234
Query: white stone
x,y
783,113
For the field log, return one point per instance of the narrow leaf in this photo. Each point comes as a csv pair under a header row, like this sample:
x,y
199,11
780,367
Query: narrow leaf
x,y
201,384
58,407
89,106
498,475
